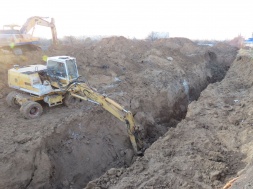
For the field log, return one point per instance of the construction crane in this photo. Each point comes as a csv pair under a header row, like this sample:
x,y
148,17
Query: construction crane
x,y
58,83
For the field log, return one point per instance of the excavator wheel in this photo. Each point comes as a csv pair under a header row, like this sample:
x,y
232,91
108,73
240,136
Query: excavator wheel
x,y
11,99
31,110
70,101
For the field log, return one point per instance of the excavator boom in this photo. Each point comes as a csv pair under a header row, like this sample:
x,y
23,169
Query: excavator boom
x,y
36,20
84,92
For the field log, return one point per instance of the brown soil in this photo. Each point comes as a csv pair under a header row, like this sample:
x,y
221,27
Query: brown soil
x,y
67,148
210,147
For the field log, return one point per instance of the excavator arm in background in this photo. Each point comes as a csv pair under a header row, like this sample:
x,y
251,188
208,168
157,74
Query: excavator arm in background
x,y
83,91
36,20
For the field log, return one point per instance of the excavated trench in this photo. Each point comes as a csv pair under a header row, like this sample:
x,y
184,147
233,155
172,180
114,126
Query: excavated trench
x,y
66,148
90,141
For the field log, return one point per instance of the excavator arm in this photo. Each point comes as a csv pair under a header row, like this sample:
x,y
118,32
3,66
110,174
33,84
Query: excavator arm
x,y
84,92
36,20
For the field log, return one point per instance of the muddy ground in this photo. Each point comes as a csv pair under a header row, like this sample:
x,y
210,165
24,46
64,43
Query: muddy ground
x,y
67,148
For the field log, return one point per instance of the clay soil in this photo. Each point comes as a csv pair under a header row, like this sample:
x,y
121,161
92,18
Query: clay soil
x,y
202,145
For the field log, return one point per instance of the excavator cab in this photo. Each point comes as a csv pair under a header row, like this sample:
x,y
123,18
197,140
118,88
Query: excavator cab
x,y
62,70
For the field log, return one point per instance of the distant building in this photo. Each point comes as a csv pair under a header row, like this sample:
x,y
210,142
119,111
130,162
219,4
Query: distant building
x,y
162,35
249,42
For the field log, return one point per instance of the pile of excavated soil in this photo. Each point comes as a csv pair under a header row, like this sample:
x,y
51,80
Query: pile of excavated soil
x,y
211,146
67,148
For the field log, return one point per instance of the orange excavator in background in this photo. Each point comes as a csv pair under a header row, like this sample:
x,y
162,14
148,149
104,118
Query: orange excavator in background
x,y
13,38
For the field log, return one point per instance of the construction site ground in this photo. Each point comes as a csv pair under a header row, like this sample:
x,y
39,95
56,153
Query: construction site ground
x,y
203,145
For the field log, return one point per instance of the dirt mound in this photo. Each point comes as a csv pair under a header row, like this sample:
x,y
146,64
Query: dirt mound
x,y
68,147
209,147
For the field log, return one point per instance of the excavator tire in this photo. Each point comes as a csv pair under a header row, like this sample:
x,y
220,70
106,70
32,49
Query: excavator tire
x,y
31,110
70,101
24,105
11,99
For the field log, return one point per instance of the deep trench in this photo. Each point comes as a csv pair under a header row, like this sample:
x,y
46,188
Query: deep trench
x,y
69,153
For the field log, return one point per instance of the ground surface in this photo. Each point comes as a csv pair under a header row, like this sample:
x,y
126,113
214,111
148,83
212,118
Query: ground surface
x,y
66,148
211,146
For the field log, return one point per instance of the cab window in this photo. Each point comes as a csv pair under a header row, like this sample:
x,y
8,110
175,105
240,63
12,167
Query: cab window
x,y
56,68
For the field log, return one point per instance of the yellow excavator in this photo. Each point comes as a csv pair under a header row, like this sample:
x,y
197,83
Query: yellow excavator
x,y
58,83
11,37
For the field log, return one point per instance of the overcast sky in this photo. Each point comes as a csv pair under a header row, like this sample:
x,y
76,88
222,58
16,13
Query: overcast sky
x,y
195,19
